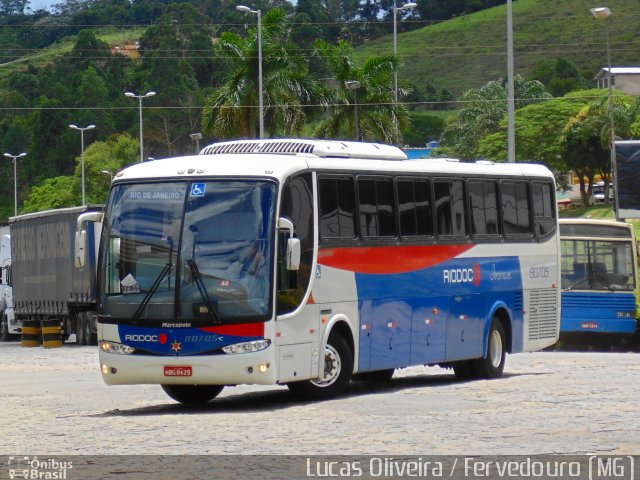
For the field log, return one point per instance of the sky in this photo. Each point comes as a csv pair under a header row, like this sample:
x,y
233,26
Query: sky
x,y
40,4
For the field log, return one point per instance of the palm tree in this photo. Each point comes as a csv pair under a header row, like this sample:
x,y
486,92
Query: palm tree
x,y
232,110
481,113
376,112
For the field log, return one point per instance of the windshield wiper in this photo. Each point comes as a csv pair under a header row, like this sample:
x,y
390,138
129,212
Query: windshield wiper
x,y
197,276
152,290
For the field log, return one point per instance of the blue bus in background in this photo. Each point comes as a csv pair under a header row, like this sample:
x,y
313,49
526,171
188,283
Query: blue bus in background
x,y
598,264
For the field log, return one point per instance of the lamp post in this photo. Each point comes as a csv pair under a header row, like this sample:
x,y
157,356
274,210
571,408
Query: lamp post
x,y
258,13
354,85
196,137
110,173
15,179
511,101
140,97
82,129
603,13
406,6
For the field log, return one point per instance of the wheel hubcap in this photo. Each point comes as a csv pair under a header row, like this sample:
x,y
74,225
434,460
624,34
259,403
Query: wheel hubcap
x,y
495,349
332,366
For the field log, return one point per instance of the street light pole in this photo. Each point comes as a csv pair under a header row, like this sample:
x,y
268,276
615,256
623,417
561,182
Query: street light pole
x,y
140,97
110,173
354,85
82,129
406,6
196,137
258,13
603,13
511,101
15,179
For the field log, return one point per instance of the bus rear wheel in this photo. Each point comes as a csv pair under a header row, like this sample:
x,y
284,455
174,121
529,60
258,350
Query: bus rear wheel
x,y
492,365
192,394
338,369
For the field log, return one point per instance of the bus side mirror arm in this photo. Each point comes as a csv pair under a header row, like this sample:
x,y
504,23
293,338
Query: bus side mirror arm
x,y
293,244
80,254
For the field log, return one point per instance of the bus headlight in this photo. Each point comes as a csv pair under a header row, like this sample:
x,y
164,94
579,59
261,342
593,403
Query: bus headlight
x,y
117,348
247,347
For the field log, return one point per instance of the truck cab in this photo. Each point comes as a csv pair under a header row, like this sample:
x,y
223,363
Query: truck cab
x,y
8,325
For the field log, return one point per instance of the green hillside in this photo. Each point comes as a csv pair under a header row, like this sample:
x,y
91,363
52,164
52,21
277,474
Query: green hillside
x,y
112,36
469,51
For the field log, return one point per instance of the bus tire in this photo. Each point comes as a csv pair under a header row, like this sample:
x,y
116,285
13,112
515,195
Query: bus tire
x,y
379,376
492,365
338,369
192,394
464,370
80,330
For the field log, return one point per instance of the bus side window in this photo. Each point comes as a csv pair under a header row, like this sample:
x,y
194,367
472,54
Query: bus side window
x,y
297,205
515,208
543,211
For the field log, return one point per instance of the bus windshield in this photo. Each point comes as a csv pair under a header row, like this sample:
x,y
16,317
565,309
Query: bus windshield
x,y
597,265
193,251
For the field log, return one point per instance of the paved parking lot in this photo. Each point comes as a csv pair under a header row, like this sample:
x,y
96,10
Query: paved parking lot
x,y
54,403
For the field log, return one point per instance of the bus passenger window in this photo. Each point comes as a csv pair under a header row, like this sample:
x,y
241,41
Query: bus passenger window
x,y
515,208
337,208
484,207
414,205
376,207
450,210
543,211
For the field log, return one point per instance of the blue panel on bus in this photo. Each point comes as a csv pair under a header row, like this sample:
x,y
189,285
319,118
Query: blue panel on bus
x,y
433,314
604,312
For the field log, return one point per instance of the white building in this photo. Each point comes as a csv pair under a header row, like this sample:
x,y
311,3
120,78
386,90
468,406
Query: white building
x,y
624,79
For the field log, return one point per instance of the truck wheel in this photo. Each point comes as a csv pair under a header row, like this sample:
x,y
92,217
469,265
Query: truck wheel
x,y
338,369
5,336
88,333
492,365
192,394
80,331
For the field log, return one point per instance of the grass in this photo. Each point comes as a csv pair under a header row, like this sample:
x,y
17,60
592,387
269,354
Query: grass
x,y
599,212
468,51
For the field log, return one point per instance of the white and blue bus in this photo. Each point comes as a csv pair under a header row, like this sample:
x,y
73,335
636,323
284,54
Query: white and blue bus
x,y
311,263
598,259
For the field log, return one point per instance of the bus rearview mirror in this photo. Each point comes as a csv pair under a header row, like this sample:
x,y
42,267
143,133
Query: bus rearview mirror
x,y
293,254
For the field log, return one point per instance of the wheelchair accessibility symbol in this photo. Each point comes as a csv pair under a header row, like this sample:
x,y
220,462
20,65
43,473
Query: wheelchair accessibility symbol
x,y
197,190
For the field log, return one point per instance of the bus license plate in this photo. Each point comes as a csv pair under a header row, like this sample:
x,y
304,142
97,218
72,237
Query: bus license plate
x,y
173,371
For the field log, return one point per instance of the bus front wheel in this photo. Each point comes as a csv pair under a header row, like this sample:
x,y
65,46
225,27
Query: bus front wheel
x,y
338,368
492,365
192,394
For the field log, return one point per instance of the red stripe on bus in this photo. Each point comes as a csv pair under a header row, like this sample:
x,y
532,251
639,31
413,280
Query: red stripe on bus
x,y
237,330
389,260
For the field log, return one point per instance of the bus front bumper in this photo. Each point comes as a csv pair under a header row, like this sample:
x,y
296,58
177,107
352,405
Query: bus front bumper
x,y
234,369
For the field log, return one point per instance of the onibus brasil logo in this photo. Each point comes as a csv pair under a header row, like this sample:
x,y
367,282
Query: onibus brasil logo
x,y
35,468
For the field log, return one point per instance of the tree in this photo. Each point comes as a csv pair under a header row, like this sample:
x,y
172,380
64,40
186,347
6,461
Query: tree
x,y
587,138
538,131
232,110
559,77
377,112
54,192
65,191
482,111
